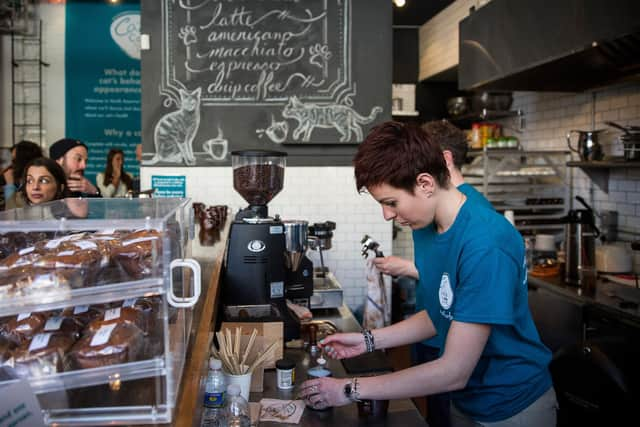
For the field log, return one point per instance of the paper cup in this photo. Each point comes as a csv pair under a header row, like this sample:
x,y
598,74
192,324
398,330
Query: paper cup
x,y
244,381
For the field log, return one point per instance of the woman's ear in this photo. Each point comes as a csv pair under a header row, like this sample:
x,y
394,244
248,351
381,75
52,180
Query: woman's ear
x,y
448,158
425,183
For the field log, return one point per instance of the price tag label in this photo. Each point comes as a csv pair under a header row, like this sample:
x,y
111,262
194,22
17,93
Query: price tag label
x,y
129,302
39,341
102,336
26,251
53,324
111,314
79,309
85,244
23,316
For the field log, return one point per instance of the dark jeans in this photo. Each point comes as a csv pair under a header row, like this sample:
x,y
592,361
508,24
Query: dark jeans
x,y
438,409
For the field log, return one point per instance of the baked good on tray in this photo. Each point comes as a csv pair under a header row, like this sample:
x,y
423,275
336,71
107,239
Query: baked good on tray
x,y
121,315
41,355
139,252
111,344
23,327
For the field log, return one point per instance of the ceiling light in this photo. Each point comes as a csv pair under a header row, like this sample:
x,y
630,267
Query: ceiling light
x,y
399,3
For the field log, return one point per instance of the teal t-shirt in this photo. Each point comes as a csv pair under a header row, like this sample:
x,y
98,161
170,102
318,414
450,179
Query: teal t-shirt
x,y
426,233
475,272
473,195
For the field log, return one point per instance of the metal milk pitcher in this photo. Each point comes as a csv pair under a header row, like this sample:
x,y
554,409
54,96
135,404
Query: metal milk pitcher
x,y
588,146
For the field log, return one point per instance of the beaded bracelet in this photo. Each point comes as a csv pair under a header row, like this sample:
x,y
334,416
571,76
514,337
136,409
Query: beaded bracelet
x,y
368,340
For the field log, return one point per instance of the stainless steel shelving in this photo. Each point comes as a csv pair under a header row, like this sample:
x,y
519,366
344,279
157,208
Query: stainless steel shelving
x,y
536,185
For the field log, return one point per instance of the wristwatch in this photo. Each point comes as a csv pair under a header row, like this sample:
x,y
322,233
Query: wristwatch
x,y
351,390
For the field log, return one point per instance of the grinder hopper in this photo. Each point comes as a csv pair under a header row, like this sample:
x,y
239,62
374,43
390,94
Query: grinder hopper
x,y
258,176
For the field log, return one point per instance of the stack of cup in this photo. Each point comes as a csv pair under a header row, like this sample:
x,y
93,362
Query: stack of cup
x,y
243,380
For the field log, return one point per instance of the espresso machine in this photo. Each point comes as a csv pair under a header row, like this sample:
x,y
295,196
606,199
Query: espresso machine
x,y
266,260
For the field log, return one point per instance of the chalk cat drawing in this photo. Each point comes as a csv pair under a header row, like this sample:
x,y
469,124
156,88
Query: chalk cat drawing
x,y
175,131
341,117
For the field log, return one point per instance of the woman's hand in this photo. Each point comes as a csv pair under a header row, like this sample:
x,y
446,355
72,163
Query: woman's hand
x,y
396,266
343,346
324,392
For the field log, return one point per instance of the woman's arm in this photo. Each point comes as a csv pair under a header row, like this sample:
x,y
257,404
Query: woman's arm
x,y
345,345
465,343
416,328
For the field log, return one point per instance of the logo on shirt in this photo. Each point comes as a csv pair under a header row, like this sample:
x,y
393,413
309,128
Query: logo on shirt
x,y
445,293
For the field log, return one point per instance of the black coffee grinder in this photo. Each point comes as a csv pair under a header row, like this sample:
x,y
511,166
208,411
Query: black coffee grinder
x,y
258,264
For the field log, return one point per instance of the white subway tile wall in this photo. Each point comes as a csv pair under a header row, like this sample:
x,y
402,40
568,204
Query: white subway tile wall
x,y
314,194
549,116
438,39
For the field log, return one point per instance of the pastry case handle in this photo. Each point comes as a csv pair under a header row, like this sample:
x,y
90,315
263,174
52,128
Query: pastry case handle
x,y
188,302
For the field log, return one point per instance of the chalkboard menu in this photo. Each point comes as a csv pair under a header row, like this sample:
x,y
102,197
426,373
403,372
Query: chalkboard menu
x,y
309,77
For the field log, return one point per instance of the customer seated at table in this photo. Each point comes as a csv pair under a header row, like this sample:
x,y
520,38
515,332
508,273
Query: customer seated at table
x,y
21,154
114,181
72,155
44,180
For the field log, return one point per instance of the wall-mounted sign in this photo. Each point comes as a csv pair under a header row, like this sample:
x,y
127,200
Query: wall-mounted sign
x,y
102,84
263,74
169,186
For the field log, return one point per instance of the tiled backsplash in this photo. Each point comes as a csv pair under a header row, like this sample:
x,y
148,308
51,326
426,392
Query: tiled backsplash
x,y
548,118
314,194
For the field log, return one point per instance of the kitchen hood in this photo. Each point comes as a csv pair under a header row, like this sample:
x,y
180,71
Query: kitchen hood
x,y
550,45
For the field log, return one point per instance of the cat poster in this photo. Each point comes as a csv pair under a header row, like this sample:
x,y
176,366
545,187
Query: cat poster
x,y
300,77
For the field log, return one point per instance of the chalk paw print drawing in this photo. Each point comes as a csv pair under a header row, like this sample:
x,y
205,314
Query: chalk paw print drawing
x,y
319,55
188,35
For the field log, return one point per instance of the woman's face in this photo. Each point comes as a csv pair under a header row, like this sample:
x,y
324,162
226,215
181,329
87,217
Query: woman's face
x,y
40,185
412,210
117,161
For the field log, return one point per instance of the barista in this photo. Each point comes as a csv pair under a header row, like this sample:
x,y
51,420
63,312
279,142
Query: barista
x,y
491,358
454,149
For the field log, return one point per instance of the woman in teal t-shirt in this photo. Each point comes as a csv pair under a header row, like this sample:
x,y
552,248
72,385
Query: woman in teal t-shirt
x,y
492,359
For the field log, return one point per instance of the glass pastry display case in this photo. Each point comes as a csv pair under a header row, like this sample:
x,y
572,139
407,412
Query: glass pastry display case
x,y
96,300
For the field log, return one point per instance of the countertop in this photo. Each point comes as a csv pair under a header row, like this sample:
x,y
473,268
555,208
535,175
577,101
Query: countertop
x,y
620,301
401,412
210,258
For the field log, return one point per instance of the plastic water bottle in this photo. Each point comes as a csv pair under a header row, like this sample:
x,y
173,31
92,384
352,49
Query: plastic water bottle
x,y
237,408
214,413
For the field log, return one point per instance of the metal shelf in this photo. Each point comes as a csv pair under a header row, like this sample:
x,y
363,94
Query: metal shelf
x,y
484,115
533,184
599,171
605,164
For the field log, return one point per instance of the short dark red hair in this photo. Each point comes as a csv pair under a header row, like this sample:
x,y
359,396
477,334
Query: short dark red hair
x,y
395,154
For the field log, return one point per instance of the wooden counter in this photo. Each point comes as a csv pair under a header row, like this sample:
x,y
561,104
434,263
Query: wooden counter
x,y
189,401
